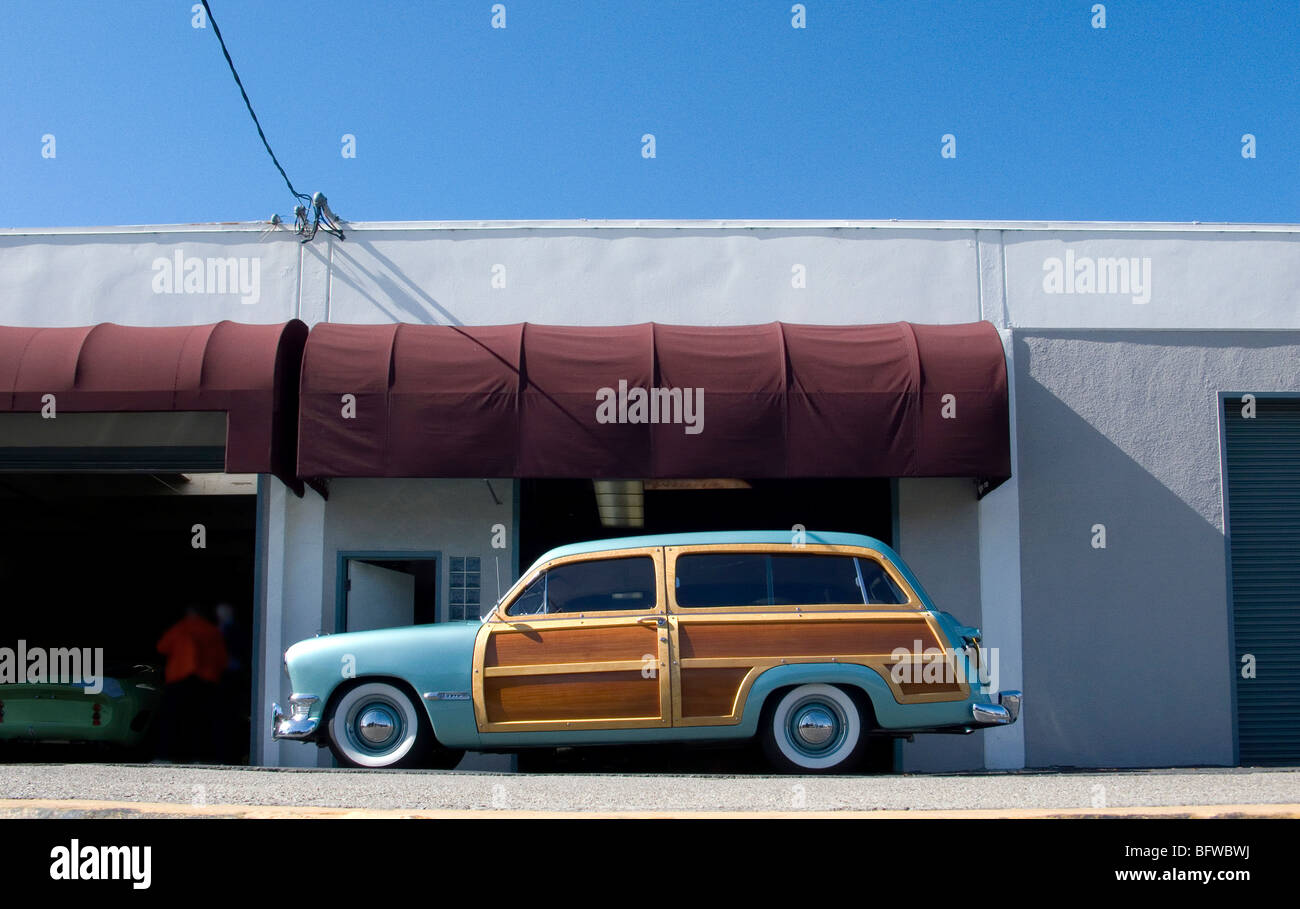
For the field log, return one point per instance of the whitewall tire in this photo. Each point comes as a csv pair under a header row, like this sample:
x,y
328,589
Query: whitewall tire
x,y
374,724
815,729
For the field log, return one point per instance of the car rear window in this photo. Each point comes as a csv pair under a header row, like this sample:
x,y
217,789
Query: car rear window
x,y
773,579
880,587
814,580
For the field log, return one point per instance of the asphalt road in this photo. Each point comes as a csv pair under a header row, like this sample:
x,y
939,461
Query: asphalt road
x,y
70,789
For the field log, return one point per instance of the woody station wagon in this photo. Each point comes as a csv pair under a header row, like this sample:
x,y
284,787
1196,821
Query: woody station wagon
x,y
811,644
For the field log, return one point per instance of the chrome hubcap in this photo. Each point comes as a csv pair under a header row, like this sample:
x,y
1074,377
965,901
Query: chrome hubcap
x,y
376,725
815,726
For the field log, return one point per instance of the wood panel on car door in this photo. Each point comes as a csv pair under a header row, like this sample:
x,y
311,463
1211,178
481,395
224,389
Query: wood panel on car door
x,y
598,670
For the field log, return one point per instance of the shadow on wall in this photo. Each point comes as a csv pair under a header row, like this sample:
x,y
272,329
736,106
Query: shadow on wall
x,y
678,275
1127,656
401,299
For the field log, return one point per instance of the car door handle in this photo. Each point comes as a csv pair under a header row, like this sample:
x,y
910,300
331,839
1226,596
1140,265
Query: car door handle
x,y
656,619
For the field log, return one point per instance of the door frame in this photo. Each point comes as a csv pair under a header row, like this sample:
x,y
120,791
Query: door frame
x,y
394,555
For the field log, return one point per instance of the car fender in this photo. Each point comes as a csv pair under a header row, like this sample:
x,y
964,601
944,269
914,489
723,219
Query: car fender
x,y
432,660
889,713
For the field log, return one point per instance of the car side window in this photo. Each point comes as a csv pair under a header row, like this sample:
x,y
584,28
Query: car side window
x,y
602,585
720,579
599,585
878,586
814,580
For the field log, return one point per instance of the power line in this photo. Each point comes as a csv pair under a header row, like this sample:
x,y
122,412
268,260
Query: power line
x,y
249,104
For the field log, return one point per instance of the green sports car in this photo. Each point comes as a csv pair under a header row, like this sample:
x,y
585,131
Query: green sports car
x,y
120,714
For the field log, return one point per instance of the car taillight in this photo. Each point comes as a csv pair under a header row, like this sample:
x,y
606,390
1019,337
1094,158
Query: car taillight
x,y
971,644
94,717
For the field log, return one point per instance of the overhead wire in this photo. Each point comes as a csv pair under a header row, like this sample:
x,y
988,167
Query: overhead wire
x,y
249,104
323,218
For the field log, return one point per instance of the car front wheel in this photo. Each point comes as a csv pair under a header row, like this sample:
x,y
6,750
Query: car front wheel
x,y
374,724
814,729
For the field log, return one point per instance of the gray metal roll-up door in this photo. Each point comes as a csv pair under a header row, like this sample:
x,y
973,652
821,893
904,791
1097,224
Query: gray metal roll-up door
x,y
1263,484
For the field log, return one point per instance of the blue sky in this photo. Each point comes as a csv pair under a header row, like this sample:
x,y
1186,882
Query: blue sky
x,y
453,119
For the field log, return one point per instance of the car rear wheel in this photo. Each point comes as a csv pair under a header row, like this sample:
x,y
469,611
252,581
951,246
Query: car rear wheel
x,y
375,724
814,729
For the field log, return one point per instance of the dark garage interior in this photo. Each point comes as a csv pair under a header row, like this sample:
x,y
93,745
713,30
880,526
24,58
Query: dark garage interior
x,y
109,560
555,512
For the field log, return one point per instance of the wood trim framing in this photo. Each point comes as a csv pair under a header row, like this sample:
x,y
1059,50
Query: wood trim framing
x,y
586,671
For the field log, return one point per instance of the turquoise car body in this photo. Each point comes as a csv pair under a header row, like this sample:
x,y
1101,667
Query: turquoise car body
x,y
435,664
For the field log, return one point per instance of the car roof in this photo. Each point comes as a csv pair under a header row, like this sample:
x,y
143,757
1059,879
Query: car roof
x,y
717,536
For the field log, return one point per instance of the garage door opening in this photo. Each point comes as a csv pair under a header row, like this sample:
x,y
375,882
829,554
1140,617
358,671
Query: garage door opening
x,y
108,562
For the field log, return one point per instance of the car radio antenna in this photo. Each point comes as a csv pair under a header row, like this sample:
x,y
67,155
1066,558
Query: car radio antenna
x,y
496,563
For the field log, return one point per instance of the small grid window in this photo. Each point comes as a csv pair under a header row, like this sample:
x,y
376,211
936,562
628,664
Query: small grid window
x,y
464,591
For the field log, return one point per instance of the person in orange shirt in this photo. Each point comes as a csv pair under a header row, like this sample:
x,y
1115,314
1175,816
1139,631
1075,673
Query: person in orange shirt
x,y
196,657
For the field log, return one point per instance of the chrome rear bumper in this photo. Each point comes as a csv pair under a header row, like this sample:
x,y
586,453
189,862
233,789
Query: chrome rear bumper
x,y
1003,713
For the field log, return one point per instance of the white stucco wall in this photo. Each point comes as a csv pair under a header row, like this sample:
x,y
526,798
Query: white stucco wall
x,y
692,272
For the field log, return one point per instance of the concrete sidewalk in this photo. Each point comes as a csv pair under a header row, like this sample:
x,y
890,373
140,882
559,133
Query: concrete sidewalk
x,y
231,791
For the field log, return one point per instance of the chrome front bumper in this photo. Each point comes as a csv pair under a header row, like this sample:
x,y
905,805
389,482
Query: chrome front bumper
x,y
1003,713
296,725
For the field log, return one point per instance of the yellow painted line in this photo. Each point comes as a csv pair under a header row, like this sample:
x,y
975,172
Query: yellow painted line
x,y
18,807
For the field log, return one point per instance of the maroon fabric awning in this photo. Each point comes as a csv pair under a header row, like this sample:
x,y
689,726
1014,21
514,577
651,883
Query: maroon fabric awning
x,y
754,401
248,371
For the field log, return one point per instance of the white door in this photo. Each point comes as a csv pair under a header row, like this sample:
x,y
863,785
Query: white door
x,y
379,597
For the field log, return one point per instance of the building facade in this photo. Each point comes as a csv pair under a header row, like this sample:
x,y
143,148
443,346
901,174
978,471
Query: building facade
x,y
1137,571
